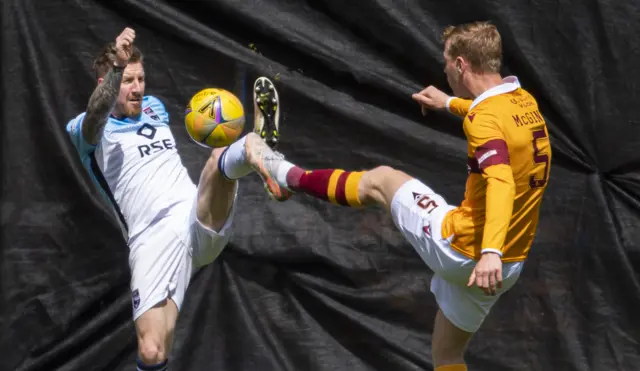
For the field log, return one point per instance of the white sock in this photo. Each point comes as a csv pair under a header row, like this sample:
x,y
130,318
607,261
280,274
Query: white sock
x,y
233,162
283,170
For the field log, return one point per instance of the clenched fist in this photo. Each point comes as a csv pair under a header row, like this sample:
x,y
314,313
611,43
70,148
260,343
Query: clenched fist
x,y
124,44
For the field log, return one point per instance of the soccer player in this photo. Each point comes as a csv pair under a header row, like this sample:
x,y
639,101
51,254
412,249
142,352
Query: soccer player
x,y
173,226
485,241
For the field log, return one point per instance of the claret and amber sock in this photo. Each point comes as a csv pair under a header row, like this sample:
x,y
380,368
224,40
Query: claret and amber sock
x,y
337,186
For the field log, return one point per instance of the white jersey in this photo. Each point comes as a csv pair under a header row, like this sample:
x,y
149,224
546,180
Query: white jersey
x,y
136,166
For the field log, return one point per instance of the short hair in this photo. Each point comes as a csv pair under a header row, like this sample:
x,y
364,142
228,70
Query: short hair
x,y
107,57
478,42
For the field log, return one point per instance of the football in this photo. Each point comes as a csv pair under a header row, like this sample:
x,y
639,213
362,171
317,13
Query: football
x,y
214,117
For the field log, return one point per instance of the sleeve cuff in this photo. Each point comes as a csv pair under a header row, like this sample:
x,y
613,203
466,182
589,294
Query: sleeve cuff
x,y
447,104
495,251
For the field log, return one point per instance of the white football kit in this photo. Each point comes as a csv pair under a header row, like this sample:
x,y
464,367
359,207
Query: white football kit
x,y
421,225
137,168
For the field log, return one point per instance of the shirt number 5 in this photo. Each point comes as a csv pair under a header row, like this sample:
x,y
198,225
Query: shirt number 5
x,y
539,158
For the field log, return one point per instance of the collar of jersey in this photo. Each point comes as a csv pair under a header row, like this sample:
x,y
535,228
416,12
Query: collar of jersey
x,y
510,83
125,120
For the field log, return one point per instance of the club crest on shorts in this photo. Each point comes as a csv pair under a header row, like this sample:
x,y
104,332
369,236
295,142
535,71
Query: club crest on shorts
x,y
135,296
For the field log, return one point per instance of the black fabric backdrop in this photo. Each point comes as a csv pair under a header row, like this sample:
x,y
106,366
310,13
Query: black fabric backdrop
x,y
305,285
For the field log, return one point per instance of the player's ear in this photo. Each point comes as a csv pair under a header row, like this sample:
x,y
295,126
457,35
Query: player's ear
x,y
459,64
100,80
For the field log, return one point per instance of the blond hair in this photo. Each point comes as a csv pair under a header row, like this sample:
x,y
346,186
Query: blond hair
x,y
477,42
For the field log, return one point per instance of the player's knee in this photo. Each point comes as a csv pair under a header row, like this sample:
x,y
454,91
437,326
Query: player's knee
x,y
214,157
382,171
375,184
152,350
211,166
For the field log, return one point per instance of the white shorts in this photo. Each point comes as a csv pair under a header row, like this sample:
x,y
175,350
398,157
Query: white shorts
x,y
164,257
418,213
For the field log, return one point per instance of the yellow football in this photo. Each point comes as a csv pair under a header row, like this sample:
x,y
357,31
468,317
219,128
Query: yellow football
x,y
214,117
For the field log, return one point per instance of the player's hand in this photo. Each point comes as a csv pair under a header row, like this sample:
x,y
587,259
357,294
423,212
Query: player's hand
x,y
431,98
124,46
487,273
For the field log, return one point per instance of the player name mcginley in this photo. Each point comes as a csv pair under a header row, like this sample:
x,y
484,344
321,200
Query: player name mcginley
x,y
532,117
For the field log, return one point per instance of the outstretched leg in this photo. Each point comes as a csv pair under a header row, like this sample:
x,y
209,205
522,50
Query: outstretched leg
x,y
415,207
347,188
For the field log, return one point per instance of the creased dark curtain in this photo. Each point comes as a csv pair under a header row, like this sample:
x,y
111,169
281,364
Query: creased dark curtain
x,y
305,285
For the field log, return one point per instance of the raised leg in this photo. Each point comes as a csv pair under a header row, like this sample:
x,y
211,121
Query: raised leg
x,y
347,188
215,193
232,162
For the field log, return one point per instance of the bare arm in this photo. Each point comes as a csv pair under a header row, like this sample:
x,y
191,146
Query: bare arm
x,y
101,103
104,97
